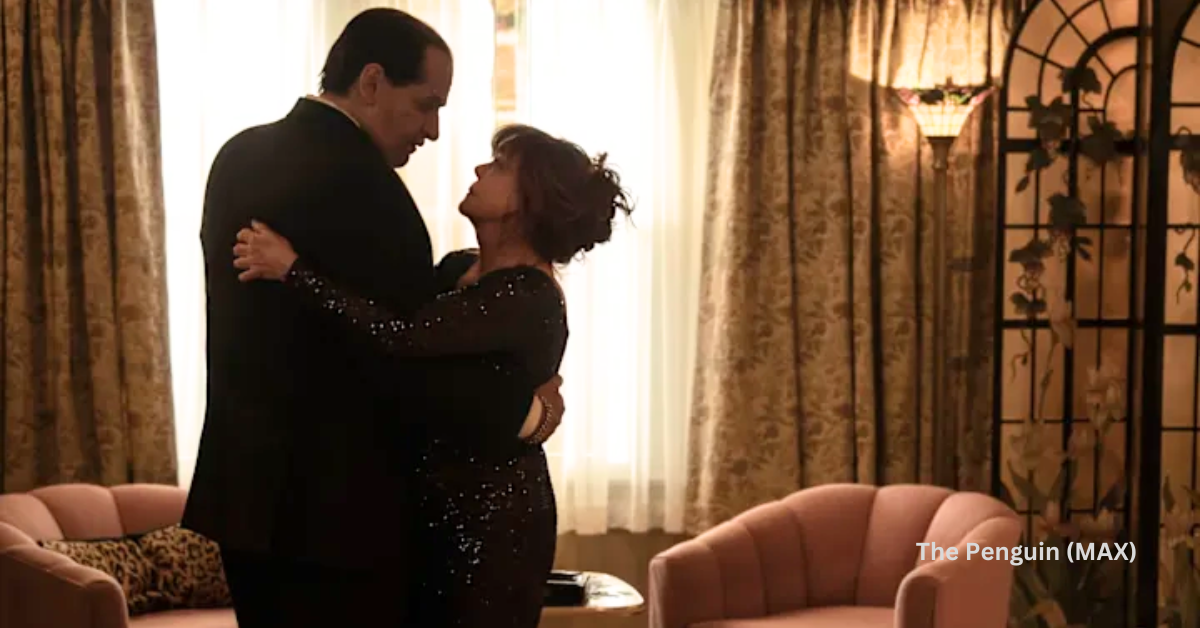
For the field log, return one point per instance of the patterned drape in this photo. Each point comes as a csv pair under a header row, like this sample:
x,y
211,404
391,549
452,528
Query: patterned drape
x,y
815,330
86,379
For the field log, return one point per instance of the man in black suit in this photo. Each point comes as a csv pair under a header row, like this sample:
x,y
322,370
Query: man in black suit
x,y
301,476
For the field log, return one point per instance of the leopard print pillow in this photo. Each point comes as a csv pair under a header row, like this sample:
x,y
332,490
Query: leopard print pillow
x,y
189,566
124,560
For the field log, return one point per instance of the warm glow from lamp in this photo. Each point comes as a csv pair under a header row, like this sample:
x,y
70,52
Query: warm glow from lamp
x,y
944,119
941,111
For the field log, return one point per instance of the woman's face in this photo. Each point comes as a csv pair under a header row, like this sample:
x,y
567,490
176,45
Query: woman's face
x,y
493,196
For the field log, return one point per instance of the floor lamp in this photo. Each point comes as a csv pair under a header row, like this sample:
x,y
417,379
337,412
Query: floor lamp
x,y
940,111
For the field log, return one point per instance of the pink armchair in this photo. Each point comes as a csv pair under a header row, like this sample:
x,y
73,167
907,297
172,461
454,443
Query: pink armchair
x,y
40,588
842,556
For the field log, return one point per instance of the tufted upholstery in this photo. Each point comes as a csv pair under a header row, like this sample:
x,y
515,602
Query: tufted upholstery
x,y
40,588
842,555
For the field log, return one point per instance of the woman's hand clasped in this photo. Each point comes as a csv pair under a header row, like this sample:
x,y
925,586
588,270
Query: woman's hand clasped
x,y
262,254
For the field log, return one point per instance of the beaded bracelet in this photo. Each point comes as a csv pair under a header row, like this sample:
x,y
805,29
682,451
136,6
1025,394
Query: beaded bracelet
x,y
544,427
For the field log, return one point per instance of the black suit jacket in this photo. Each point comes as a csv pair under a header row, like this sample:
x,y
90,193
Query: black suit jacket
x,y
304,451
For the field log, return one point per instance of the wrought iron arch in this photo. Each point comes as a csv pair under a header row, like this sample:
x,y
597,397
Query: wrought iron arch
x,y
1172,378
1067,239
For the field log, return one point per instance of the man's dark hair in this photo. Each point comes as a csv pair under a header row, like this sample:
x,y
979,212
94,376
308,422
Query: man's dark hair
x,y
394,39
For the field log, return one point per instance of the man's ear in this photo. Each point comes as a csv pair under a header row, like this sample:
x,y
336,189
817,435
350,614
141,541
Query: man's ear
x,y
369,83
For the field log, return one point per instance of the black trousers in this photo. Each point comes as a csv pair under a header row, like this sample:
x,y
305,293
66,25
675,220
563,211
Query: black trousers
x,y
275,592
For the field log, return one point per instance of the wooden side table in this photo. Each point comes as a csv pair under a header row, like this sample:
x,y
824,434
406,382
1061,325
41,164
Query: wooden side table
x,y
606,595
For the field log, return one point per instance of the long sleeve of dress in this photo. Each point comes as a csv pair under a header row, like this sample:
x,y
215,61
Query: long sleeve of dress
x,y
502,312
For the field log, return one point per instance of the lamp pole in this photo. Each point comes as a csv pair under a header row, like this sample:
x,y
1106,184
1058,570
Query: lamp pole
x,y
945,433
940,112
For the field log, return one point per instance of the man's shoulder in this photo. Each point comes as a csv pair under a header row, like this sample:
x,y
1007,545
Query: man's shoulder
x,y
247,145
286,149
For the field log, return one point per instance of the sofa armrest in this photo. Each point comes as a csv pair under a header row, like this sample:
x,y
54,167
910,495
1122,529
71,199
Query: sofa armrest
x,y
750,566
969,591
43,589
685,586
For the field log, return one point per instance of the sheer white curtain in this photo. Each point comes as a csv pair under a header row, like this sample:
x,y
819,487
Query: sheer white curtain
x,y
630,78
226,65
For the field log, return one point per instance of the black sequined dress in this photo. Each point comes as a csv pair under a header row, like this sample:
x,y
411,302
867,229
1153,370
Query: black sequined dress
x,y
487,520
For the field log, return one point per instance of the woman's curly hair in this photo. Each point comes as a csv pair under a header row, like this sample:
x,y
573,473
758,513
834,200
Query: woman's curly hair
x,y
569,200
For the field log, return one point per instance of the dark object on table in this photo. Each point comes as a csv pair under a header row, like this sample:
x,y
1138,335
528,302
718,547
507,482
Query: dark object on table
x,y
566,588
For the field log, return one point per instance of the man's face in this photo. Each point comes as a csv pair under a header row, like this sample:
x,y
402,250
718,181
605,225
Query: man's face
x,y
401,118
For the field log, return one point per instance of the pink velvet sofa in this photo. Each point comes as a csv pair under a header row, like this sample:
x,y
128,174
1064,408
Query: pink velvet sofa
x,y
842,556
40,588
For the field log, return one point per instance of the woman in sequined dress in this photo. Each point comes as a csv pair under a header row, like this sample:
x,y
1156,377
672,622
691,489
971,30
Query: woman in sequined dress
x,y
487,508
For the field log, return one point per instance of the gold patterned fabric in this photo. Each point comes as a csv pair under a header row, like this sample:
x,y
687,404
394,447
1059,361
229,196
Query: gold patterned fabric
x,y
86,379
127,563
164,569
815,333
191,572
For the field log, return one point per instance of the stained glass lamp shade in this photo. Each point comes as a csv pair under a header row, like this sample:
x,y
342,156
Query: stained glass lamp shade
x,y
941,111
